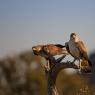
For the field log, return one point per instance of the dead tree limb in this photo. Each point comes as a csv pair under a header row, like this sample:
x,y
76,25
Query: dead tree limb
x,y
51,76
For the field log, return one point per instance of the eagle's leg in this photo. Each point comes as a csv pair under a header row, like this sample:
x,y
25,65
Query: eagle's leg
x,y
80,67
48,65
80,63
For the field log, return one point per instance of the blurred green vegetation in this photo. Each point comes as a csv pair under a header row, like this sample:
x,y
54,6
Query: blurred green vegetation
x,y
24,75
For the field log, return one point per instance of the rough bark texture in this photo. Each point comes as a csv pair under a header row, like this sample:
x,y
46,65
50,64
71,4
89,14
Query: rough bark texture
x,y
51,75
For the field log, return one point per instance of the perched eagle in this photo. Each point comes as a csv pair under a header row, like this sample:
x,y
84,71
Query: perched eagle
x,y
77,49
50,50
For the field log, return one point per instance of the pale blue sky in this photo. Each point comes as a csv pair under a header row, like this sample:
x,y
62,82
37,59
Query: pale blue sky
x,y
24,23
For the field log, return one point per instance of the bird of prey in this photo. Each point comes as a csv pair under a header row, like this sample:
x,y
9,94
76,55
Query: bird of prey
x,y
50,50
77,49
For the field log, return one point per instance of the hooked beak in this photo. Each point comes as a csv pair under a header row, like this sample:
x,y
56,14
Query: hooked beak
x,y
33,48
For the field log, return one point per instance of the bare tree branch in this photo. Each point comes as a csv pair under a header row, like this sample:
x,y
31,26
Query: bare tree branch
x,y
59,66
52,75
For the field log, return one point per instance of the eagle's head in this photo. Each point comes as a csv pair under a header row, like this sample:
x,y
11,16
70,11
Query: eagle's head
x,y
74,37
37,49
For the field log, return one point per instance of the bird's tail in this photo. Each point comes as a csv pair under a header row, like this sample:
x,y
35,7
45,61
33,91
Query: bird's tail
x,y
89,62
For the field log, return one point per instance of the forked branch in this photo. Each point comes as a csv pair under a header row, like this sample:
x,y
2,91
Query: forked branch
x,y
51,75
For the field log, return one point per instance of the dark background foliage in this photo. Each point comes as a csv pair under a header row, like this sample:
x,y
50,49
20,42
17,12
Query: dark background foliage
x,y
24,75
